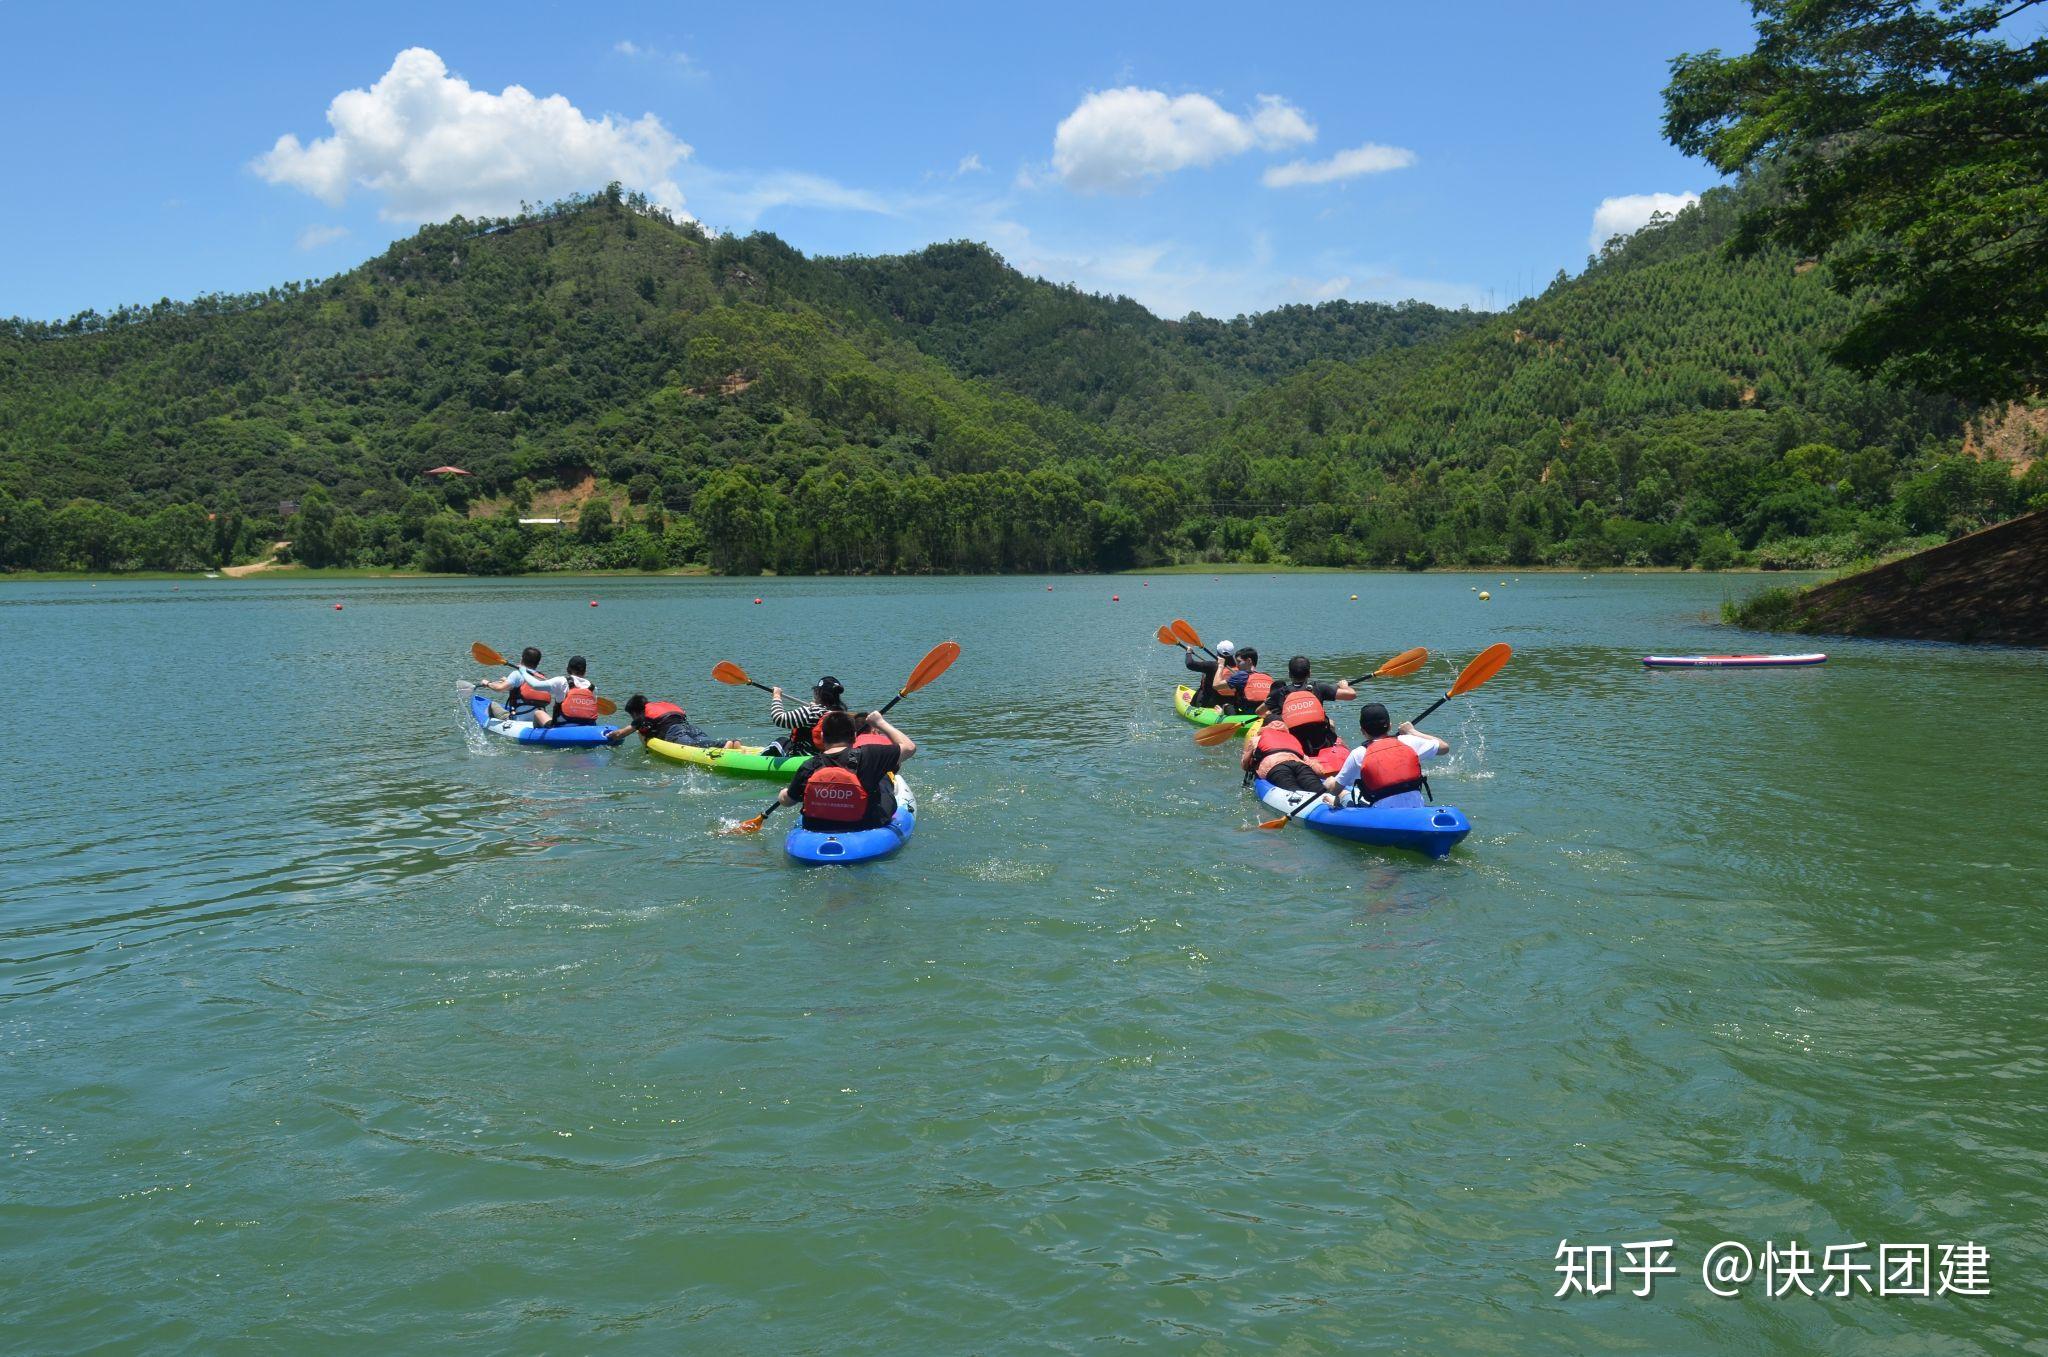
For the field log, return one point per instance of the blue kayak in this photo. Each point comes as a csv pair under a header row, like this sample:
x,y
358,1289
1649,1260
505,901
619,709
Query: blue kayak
x,y
1434,830
526,732
858,845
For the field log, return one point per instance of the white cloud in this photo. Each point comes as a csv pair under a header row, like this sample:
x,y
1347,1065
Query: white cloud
x,y
639,51
1120,140
1370,158
739,200
313,237
1277,123
433,147
969,164
1631,212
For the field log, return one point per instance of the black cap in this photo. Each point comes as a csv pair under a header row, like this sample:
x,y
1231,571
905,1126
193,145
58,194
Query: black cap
x,y
1373,719
828,687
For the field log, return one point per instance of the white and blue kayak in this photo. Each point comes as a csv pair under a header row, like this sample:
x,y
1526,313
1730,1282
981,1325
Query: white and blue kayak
x,y
858,845
526,732
1434,830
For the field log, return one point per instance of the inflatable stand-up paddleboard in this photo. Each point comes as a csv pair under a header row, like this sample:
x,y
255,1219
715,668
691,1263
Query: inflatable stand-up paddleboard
x,y
1732,661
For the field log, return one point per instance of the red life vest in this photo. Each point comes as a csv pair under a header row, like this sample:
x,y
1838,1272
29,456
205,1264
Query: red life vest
x,y
1389,768
656,711
1302,708
1276,740
833,793
818,727
1256,687
1329,761
530,695
579,704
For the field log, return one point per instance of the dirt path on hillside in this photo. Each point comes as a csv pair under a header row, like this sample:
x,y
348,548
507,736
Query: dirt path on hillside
x,y
270,562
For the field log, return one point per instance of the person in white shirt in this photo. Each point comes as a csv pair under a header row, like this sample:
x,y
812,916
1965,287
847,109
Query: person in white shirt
x,y
1386,768
531,693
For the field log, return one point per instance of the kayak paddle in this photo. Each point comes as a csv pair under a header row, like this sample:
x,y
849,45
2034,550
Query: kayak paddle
x,y
1223,732
1401,666
725,671
936,662
1484,666
1189,637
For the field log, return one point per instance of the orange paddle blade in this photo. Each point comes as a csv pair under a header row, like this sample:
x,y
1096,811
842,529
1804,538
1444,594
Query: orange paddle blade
x,y
752,826
1187,635
1484,666
1280,823
605,706
483,654
1167,638
1223,732
725,671
931,666
1403,664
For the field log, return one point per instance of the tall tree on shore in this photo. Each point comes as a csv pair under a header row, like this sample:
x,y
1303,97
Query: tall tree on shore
x,y
1904,142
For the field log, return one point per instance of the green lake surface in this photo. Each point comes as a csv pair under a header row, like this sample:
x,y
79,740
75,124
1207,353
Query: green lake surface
x,y
328,1025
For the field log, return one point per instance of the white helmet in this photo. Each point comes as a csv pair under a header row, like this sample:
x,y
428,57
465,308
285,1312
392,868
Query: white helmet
x,y
1225,648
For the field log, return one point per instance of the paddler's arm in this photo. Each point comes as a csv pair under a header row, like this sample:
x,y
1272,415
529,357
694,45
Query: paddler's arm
x,y
905,746
1346,693
1443,746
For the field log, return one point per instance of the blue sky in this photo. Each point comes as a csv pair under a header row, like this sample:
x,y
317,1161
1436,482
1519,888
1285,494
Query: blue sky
x,y
1224,158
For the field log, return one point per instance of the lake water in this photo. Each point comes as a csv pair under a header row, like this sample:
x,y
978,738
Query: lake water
x,y
327,1026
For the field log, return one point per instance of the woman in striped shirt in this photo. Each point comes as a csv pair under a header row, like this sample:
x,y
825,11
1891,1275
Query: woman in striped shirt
x,y
802,721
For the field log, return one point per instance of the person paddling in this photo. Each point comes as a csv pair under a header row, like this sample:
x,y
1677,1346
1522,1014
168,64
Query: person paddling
x,y
1276,755
529,693
661,720
845,786
803,720
577,705
1386,769
1245,687
1205,691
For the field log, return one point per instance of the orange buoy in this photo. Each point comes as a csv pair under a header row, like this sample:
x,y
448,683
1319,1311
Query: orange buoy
x,y
337,607
757,600
1116,598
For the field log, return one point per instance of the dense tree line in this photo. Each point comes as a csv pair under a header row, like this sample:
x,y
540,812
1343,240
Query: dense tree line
x,y
740,406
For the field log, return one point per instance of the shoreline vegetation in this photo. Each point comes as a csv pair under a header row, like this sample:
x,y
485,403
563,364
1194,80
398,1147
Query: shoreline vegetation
x,y
291,573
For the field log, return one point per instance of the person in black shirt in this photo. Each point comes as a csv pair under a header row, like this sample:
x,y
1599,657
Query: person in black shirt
x,y
659,720
1205,691
1321,735
870,764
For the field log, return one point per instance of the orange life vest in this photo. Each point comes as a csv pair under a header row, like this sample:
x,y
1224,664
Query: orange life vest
x,y
1276,745
579,704
655,711
1389,768
1302,708
1329,761
529,695
833,793
1254,689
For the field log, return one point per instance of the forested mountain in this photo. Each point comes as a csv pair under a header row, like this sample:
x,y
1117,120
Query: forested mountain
x,y
728,399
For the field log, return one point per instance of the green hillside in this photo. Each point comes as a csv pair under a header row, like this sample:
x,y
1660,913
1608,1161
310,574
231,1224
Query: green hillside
x,y
729,400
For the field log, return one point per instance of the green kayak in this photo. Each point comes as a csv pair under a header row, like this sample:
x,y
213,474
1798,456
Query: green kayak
x,y
1203,716
732,762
